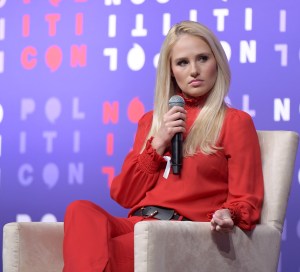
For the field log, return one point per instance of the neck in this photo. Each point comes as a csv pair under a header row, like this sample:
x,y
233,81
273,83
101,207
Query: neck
x,y
194,101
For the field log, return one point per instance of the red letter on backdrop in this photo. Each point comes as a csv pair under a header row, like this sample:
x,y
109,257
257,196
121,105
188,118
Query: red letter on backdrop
x,y
26,25
25,60
110,171
111,112
52,19
53,57
79,24
135,110
55,3
110,144
78,55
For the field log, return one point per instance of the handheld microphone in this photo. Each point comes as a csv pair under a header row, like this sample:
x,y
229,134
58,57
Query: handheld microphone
x,y
177,140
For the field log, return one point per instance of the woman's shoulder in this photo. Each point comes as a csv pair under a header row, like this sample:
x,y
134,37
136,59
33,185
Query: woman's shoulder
x,y
233,114
237,119
146,116
146,119
238,128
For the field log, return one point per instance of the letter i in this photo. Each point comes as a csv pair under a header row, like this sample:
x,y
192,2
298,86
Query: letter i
x,y
79,24
26,25
110,144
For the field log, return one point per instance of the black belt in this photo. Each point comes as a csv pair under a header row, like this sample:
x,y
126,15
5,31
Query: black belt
x,y
159,213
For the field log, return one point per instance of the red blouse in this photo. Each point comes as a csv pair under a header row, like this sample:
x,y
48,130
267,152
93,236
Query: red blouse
x,y
231,178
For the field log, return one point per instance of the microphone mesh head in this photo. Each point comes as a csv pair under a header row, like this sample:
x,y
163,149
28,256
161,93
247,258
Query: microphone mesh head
x,y
176,100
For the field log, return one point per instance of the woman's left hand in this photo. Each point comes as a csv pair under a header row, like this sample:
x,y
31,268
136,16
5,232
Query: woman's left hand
x,y
222,221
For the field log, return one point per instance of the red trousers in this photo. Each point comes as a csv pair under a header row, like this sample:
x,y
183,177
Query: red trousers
x,y
96,241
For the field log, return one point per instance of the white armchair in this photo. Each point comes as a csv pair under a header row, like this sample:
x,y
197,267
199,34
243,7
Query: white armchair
x,y
191,246
33,247
162,246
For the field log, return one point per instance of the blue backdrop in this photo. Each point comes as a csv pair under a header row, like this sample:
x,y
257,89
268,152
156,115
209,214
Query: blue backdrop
x,y
76,75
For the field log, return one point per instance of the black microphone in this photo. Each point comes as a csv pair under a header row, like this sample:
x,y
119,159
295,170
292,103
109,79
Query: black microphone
x,y
177,140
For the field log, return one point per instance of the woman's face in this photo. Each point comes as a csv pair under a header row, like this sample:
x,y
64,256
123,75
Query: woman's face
x,y
193,66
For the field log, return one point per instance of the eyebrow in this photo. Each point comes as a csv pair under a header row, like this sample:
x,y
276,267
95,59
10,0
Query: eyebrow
x,y
200,54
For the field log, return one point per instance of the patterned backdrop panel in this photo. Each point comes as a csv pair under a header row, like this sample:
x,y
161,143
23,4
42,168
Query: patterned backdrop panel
x,y
76,76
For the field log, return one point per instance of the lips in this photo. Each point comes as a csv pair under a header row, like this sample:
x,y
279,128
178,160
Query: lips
x,y
196,82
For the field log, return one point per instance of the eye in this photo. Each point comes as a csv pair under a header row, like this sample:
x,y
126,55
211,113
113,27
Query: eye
x,y
182,62
203,58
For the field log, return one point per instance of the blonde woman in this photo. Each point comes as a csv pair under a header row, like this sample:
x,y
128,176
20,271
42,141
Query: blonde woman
x,y
221,175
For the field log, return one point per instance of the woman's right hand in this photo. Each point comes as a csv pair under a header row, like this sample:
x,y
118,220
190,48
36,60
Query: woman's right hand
x,y
173,122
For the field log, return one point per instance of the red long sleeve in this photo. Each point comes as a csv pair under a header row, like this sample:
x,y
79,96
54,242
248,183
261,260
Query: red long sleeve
x,y
245,179
231,178
139,171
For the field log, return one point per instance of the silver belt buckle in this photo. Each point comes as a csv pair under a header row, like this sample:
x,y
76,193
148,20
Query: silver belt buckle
x,y
150,215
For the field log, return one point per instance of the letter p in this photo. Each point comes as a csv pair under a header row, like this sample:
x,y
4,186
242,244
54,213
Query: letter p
x,y
27,107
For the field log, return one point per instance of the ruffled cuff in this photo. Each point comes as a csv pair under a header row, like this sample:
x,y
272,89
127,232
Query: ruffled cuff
x,y
234,213
240,215
149,160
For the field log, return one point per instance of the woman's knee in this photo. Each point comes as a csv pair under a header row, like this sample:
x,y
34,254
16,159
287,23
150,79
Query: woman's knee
x,y
83,207
78,205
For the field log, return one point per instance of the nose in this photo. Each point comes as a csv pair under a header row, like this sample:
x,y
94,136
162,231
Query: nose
x,y
194,70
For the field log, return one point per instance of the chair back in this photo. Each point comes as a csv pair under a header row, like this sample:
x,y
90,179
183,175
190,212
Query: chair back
x,y
278,151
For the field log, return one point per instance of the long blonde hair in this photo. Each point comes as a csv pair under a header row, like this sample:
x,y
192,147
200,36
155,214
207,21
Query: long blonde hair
x,y
206,129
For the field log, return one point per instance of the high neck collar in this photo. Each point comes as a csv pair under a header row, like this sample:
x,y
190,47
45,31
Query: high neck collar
x,y
194,102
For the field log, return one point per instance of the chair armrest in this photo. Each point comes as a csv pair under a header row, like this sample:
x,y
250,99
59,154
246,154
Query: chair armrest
x,y
188,246
32,247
